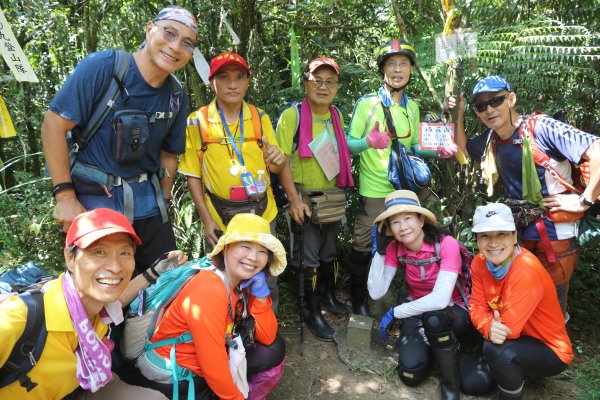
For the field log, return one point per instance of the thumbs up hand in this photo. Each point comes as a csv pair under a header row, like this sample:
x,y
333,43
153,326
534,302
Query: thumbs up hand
x,y
273,155
498,331
377,139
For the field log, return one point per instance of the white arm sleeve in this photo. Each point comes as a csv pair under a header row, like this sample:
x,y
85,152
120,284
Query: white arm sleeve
x,y
439,298
379,289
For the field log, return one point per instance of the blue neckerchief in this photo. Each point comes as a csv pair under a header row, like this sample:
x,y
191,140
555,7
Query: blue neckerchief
x,y
238,152
500,271
387,100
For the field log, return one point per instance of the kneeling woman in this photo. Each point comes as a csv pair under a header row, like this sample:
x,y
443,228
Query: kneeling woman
x,y
434,306
514,306
211,313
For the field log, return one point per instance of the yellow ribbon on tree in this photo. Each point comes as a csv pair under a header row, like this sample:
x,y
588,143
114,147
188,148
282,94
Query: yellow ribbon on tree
x,y
7,129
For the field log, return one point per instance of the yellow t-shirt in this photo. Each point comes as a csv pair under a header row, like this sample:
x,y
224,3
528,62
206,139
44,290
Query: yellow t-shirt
x,y
218,158
55,371
306,171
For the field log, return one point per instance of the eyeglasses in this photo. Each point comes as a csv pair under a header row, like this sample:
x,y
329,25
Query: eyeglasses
x,y
171,36
329,83
400,65
495,102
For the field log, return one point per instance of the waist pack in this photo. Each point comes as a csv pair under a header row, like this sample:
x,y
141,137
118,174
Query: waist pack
x,y
327,206
406,170
589,227
227,209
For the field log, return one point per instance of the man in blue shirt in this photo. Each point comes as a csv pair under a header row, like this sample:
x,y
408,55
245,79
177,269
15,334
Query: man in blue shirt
x,y
129,163
506,149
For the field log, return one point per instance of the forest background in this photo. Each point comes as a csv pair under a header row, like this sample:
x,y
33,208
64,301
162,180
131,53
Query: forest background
x,y
548,50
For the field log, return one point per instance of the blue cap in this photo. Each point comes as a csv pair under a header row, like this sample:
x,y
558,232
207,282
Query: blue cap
x,y
494,83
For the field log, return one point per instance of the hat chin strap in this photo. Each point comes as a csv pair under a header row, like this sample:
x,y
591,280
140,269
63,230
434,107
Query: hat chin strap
x,y
394,89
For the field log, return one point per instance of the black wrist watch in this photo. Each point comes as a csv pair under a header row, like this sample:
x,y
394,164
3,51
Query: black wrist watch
x,y
585,202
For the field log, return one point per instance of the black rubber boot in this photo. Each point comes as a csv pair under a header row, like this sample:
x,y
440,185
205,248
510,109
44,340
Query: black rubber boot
x,y
327,281
447,360
359,272
312,310
513,395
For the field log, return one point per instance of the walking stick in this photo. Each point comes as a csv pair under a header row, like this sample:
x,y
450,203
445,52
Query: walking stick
x,y
299,229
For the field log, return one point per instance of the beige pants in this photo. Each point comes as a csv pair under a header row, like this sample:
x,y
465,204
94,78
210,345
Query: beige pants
x,y
117,389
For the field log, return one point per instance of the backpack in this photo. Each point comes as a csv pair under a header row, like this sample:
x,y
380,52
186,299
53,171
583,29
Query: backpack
x,y
581,173
278,191
111,91
157,300
205,140
28,348
463,283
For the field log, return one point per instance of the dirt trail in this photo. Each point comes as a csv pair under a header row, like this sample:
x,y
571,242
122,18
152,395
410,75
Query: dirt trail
x,y
321,373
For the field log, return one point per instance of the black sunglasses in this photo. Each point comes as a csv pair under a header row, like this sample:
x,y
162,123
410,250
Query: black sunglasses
x,y
495,102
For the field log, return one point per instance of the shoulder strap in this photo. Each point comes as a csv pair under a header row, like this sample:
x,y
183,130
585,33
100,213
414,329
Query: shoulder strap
x,y
176,93
297,107
370,116
30,345
111,91
257,125
539,157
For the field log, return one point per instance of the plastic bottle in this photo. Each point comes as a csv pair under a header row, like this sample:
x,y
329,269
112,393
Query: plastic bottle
x,y
261,181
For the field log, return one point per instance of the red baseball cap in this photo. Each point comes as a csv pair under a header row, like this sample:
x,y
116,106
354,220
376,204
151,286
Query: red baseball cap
x,y
321,61
227,58
90,226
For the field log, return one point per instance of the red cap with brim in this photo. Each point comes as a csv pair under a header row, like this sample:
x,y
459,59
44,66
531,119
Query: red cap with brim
x,y
322,61
227,58
91,226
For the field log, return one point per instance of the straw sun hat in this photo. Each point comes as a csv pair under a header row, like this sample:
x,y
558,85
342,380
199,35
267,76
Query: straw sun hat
x,y
402,201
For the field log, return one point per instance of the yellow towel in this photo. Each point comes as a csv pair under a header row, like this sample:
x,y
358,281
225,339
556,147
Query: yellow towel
x,y
489,170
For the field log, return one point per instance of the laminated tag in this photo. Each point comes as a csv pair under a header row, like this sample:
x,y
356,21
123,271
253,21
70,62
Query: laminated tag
x,y
248,182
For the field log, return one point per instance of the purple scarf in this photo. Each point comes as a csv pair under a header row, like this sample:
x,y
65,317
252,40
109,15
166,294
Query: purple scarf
x,y
93,354
345,175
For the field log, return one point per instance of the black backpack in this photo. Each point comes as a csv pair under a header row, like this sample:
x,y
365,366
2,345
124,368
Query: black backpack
x,y
28,349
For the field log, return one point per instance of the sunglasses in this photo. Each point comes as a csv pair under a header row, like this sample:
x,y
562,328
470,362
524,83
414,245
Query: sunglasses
x,y
495,102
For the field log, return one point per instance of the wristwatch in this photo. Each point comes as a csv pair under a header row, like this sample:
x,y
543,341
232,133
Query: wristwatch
x,y
585,202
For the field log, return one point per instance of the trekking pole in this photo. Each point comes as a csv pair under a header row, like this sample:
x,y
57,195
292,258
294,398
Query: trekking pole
x,y
299,229
301,287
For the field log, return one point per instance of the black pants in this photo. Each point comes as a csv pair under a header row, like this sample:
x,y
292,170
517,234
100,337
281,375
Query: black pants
x,y
260,358
157,239
507,364
414,352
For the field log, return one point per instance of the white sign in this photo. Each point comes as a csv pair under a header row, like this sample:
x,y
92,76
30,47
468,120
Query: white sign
x,y
13,54
435,136
459,43
201,66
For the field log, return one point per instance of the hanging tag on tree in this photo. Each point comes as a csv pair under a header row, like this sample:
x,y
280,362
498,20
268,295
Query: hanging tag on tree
x,y
7,129
294,58
13,54
201,65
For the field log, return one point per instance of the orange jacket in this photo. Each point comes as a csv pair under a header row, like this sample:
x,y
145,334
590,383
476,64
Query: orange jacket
x,y
202,309
526,300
